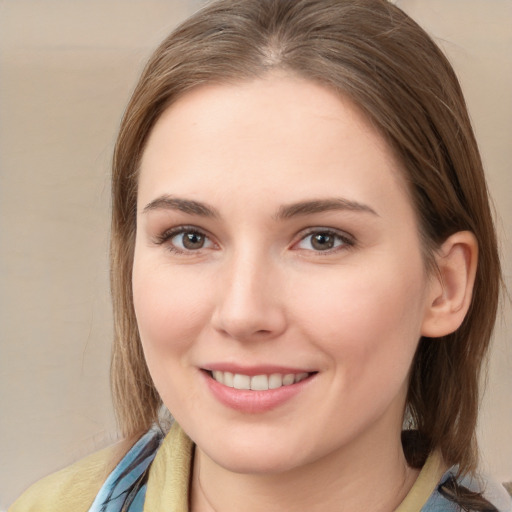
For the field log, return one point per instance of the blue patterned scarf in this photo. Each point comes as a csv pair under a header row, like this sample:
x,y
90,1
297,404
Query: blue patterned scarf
x,y
125,488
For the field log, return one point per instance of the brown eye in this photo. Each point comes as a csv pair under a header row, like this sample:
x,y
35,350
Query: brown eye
x,y
322,241
186,240
192,241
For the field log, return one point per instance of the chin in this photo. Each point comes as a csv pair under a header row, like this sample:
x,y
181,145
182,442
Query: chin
x,y
255,462
257,454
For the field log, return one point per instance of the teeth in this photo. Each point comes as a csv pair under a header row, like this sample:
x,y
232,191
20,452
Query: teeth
x,y
241,381
258,382
228,379
275,381
288,379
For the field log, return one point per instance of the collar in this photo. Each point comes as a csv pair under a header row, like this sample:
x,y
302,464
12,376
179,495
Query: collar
x,y
168,484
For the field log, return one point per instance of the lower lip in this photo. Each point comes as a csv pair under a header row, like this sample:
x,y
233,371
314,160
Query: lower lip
x,y
254,402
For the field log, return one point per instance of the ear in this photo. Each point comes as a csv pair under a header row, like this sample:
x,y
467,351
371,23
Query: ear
x,y
451,287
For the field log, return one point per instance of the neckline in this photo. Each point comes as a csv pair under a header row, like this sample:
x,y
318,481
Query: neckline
x,y
168,483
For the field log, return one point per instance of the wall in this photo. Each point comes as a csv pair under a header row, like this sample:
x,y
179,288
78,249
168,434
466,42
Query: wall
x,y
66,71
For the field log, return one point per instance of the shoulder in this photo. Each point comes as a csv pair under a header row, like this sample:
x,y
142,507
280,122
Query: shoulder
x,y
74,487
480,485
438,489
490,489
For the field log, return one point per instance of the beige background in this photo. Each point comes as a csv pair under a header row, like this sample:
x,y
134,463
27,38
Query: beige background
x,y
66,71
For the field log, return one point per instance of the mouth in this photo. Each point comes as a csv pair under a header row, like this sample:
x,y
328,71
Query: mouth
x,y
258,389
262,382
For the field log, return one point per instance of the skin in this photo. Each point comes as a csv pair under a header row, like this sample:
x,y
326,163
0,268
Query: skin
x,y
258,292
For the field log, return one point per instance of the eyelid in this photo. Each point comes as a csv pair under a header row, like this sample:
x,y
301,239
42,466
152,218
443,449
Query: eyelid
x,y
170,233
348,240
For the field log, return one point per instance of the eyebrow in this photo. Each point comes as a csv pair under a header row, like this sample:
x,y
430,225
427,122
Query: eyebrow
x,y
167,202
321,205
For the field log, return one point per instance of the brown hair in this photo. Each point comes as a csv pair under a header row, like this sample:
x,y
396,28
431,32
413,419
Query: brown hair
x,y
374,54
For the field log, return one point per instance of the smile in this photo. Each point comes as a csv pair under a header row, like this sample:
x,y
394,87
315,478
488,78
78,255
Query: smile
x,y
258,389
257,382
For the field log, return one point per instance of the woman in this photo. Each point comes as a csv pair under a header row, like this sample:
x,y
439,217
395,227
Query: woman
x,y
303,263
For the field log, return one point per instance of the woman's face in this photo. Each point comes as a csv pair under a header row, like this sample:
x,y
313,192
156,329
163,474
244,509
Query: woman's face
x,y
276,249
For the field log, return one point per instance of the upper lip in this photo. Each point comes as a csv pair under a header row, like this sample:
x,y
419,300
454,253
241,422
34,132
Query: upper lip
x,y
263,369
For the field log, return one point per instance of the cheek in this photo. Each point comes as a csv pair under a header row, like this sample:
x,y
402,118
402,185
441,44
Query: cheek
x,y
171,312
368,322
169,307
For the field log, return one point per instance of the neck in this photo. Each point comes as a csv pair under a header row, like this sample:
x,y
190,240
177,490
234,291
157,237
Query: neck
x,y
365,476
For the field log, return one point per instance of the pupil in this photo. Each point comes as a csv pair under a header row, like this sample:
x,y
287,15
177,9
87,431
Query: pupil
x,y
323,241
193,240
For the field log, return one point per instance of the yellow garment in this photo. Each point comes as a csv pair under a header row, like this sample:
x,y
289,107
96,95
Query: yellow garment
x,y
169,475
427,481
73,489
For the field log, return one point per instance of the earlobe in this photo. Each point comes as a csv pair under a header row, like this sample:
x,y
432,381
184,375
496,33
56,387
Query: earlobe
x,y
451,287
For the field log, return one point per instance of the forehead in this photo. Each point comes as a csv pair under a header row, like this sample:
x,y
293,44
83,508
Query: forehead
x,y
278,136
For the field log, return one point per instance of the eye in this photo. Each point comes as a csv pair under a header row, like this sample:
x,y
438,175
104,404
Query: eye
x,y
189,240
324,240
185,239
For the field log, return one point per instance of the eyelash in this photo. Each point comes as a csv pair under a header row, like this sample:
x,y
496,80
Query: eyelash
x,y
168,235
347,241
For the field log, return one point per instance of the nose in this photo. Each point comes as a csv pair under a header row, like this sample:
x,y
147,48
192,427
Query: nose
x,y
250,303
